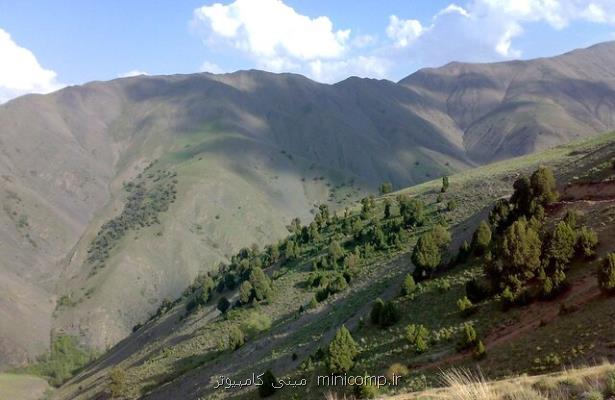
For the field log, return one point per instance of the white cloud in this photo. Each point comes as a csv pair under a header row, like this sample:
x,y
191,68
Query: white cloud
x,y
20,72
269,29
485,30
213,68
134,72
403,32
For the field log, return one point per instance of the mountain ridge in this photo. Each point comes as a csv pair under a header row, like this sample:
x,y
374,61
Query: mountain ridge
x,y
252,150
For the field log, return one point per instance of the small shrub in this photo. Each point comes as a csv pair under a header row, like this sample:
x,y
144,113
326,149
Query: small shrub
x,y
418,337
479,351
606,274
477,290
396,369
465,306
610,384
586,242
366,390
117,382
409,286
267,389
236,338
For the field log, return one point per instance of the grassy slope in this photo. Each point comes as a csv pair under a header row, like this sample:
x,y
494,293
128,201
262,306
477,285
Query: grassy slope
x,y
23,387
185,352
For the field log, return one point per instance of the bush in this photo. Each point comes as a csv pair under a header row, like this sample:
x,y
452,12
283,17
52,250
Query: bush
x,y
245,292
418,337
389,315
117,382
610,384
386,187
396,369
587,240
377,308
606,274
561,245
223,304
469,338
236,338
267,388
477,290
342,352
409,286
366,390
481,238
479,351
261,284
465,306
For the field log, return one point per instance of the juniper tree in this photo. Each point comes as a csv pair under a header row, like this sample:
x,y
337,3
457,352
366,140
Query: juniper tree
x,y
587,240
261,284
267,388
386,187
236,338
561,245
342,352
606,274
408,286
223,304
376,311
445,184
481,238
245,292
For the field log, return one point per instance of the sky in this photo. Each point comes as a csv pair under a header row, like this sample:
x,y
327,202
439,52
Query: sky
x,y
46,45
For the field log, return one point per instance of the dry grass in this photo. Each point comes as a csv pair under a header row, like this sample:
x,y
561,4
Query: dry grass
x,y
576,383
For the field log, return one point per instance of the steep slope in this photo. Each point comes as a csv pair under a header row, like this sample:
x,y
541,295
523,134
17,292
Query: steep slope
x,y
183,351
250,150
513,108
223,161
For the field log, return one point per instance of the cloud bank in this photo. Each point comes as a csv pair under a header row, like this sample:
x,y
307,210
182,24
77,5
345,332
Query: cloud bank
x,y
20,71
275,37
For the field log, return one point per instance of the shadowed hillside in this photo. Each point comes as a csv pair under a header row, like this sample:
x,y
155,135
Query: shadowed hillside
x,y
115,195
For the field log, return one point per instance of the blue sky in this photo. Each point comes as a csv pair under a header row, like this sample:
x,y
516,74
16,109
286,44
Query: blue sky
x,y
45,45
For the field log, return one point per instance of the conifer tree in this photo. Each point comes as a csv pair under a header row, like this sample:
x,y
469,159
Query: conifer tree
x,y
267,388
606,274
245,292
342,352
260,283
587,240
481,238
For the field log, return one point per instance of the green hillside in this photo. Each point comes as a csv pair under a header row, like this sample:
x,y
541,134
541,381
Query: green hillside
x,y
284,303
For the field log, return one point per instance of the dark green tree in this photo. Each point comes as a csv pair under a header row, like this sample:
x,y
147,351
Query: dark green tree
x,y
342,352
481,238
561,245
606,274
418,337
544,190
386,187
267,388
445,184
236,338
261,284
409,286
377,308
387,208
587,240
389,315
245,292
223,304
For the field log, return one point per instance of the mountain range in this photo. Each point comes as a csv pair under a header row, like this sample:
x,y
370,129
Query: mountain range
x,y
192,168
